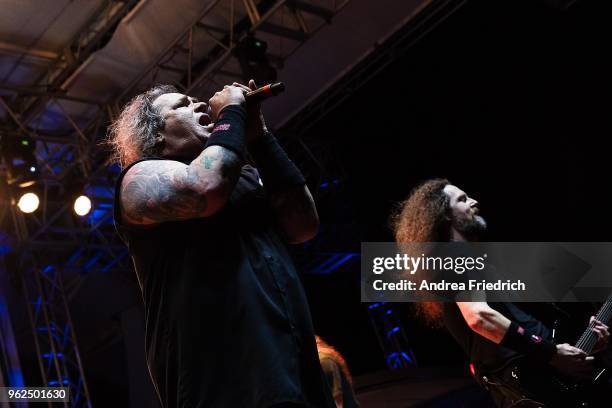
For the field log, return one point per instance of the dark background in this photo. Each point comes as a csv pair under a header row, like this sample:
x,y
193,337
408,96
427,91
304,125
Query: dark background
x,y
509,100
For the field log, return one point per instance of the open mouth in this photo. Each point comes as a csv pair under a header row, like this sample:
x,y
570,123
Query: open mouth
x,y
208,125
204,120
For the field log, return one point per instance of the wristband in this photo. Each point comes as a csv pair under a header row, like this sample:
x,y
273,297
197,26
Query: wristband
x,y
277,171
229,130
527,343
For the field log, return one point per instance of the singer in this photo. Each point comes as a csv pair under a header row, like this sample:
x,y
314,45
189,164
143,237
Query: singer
x,y
227,321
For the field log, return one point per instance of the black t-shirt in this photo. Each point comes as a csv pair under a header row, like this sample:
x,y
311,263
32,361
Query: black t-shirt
x,y
483,353
227,320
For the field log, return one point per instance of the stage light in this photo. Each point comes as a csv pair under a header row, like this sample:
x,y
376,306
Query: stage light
x,y
28,203
20,158
82,205
251,54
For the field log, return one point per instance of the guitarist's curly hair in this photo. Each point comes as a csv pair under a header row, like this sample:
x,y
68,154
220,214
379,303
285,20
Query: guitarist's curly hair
x,y
422,217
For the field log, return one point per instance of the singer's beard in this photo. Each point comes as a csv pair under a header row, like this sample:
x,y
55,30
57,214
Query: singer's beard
x,y
472,230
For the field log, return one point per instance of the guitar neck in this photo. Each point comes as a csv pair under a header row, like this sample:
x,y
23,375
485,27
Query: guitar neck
x,y
589,338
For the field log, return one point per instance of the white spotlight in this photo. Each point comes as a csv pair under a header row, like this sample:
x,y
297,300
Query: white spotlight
x,y
82,205
28,203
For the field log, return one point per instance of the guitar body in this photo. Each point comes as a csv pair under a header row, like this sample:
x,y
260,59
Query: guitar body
x,y
529,384
540,386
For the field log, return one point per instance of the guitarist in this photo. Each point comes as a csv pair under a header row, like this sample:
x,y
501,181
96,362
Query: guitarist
x,y
491,334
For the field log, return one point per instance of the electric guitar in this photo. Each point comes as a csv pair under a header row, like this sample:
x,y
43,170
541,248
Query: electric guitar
x,y
542,386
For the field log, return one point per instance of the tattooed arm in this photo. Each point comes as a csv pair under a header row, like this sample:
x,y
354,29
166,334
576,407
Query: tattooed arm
x,y
155,191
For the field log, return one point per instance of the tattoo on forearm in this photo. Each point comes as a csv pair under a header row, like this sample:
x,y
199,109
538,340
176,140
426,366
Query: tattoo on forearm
x,y
208,161
225,161
160,191
153,198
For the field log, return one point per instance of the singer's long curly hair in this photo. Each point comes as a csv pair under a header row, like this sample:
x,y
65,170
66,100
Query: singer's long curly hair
x,y
422,217
133,134
325,350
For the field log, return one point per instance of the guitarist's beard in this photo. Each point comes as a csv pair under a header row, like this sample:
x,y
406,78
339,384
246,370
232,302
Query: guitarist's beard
x,y
473,229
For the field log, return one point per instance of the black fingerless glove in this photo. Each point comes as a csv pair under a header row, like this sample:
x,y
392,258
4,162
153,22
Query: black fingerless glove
x,y
229,130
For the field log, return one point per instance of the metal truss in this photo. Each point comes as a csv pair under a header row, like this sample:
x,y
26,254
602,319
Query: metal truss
x,y
201,59
53,240
399,43
54,337
391,336
94,35
53,243
11,374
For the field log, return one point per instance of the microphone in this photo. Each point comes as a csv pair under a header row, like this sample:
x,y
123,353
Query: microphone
x,y
264,92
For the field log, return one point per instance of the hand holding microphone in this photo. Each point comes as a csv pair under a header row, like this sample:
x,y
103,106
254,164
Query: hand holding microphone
x,y
259,94
251,95
255,123
229,95
254,95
